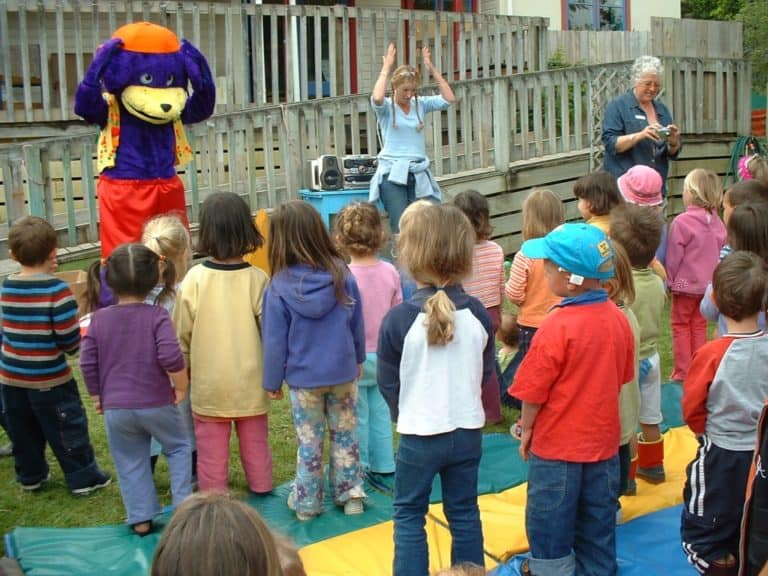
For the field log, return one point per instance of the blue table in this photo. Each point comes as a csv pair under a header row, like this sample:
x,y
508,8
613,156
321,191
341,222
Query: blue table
x,y
330,202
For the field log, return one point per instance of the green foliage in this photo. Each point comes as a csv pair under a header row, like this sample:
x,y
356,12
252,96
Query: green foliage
x,y
754,16
712,9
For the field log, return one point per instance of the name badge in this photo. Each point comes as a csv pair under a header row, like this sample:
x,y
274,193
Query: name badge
x,y
639,117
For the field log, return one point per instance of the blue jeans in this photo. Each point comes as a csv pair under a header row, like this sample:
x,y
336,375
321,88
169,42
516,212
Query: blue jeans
x,y
570,518
56,416
455,456
396,199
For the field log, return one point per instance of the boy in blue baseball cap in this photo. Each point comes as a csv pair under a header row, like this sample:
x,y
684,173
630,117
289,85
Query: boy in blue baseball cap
x,y
569,386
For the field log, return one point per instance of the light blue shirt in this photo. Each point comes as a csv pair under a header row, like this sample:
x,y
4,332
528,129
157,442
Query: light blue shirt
x,y
404,145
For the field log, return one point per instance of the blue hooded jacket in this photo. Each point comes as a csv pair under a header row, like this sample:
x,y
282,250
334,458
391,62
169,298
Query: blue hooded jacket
x,y
310,339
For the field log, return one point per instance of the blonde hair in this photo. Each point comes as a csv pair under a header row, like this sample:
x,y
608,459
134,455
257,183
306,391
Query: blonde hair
x,y
290,561
463,569
757,166
704,188
211,533
542,213
402,74
621,288
435,246
167,237
359,229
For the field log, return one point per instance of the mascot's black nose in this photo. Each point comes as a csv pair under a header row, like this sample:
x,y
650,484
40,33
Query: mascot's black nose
x,y
166,107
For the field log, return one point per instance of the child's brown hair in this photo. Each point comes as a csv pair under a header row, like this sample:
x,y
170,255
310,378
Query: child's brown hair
x,y
435,246
297,235
739,285
746,191
227,229
748,228
475,207
359,229
600,190
211,533
31,240
638,230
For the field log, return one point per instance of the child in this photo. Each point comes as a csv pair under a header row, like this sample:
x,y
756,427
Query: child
x,y
747,192
642,185
569,384
42,403
754,544
638,231
212,533
435,352
598,194
527,284
695,239
218,316
486,283
359,230
508,357
722,392
167,236
621,290
754,167
314,341
128,355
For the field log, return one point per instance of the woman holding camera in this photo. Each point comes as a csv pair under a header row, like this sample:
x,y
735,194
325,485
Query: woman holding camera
x,y
637,128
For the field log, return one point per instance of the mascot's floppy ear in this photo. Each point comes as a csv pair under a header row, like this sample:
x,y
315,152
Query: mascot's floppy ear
x,y
101,60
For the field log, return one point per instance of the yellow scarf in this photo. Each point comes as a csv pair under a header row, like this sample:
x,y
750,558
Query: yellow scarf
x,y
109,139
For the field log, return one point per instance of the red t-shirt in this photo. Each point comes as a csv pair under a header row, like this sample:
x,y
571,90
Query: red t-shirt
x,y
580,357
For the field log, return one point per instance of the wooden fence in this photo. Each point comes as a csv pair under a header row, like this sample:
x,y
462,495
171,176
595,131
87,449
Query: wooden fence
x,y
495,125
259,54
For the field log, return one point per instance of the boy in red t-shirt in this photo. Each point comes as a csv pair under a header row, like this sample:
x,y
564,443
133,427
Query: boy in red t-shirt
x,y
569,385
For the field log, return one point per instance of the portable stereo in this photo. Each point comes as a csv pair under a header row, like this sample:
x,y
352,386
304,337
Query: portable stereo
x,y
325,174
358,169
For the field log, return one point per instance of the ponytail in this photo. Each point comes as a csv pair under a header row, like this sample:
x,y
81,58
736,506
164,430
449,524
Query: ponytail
x,y
92,288
440,321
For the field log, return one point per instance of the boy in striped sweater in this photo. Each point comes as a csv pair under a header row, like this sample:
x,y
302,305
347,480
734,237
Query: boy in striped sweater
x,y
41,398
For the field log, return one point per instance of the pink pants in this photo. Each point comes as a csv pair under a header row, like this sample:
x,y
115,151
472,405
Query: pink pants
x,y
689,331
213,453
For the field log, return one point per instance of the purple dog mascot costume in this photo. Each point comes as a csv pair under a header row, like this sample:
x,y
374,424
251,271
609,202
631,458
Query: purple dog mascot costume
x,y
136,91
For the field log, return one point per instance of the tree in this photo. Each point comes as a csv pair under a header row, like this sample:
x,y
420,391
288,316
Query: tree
x,y
754,17
711,9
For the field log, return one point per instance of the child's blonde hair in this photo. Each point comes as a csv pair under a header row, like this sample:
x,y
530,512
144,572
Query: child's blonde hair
x,y
757,166
290,561
435,246
359,229
167,237
621,288
463,569
704,187
542,213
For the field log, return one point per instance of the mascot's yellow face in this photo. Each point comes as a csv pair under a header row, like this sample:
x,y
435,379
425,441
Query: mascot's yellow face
x,y
154,105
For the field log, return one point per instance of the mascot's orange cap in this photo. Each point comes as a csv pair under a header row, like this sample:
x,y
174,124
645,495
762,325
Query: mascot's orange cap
x,y
147,38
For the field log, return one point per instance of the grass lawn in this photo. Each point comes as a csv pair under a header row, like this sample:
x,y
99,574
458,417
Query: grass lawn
x,y
53,506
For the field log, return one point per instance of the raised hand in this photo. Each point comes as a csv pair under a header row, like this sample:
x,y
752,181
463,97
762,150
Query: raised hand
x,y
388,60
101,60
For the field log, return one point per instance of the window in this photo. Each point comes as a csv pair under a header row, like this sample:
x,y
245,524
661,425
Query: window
x,y
596,14
441,5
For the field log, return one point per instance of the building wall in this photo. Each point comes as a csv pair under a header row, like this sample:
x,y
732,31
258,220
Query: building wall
x,y
640,11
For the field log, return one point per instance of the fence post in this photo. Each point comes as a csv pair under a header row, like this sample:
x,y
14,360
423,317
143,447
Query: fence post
x,y
501,133
16,200
34,180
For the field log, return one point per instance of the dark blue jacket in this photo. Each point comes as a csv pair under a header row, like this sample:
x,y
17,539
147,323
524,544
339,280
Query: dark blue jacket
x,y
624,116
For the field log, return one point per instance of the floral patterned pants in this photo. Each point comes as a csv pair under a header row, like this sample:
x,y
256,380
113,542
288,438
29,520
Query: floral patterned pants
x,y
312,409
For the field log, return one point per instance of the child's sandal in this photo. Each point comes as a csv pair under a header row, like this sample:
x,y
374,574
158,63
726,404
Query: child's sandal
x,y
142,528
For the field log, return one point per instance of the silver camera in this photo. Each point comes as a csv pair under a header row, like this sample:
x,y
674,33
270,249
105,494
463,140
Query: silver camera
x,y
663,132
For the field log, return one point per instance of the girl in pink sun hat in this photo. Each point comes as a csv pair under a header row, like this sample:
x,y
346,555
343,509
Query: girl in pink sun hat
x,y
642,185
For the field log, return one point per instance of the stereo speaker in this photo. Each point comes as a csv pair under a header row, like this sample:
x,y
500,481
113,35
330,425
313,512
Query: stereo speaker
x,y
325,173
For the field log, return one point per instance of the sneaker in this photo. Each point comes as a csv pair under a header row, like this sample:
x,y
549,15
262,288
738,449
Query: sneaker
x,y
102,479
36,485
353,506
654,475
292,505
6,450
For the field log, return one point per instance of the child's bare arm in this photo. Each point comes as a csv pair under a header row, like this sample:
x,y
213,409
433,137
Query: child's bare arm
x,y
527,418
180,382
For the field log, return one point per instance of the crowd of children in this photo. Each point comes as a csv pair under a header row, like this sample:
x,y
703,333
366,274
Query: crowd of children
x,y
332,325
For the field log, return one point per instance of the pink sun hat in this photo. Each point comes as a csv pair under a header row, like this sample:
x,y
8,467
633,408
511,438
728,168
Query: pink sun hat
x,y
641,185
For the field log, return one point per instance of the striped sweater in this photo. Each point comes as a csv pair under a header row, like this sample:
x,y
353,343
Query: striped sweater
x,y
39,326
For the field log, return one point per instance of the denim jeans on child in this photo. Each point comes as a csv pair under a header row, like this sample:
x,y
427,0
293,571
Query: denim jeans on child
x,y
570,517
374,428
455,456
56,416
312,408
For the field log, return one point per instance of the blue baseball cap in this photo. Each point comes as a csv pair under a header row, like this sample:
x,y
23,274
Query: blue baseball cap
x,y
580,249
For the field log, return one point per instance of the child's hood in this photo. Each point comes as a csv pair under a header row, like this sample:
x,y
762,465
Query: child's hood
x,y
307,291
